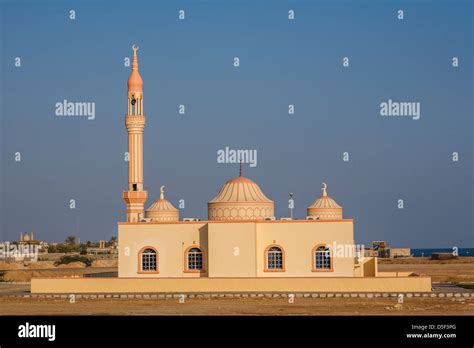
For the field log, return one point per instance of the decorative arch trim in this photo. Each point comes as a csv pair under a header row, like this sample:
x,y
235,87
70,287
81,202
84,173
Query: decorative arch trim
x,y
283,259
186,268
313,259
140,254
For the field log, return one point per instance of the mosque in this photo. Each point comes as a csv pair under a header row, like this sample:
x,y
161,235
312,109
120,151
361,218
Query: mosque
x,y
241,247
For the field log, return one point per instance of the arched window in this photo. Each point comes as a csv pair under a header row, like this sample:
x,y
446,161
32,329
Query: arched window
x,y
194,259
322,261
274,259
148,260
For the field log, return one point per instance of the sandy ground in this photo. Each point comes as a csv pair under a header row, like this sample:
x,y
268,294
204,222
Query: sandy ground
x,y
238,306
24,271
4,266
14,289
426,260
460,270
25,275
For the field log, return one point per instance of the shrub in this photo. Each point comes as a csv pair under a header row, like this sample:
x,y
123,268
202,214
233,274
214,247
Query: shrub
x,y
68,259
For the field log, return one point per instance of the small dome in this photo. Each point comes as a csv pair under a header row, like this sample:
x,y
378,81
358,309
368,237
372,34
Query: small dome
x,y
162,210
240,199
325,208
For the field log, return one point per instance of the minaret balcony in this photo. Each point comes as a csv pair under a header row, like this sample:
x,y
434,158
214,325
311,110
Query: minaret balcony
x,y
134,196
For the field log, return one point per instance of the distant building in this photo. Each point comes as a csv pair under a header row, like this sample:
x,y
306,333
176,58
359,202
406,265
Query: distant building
x,y
400,252
18,252
25,249
382,250
110,251
28,239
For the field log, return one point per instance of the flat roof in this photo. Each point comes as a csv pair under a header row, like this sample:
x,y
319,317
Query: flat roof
x,y
232,222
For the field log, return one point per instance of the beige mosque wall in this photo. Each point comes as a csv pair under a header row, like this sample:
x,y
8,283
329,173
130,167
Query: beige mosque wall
x,y
235,249
232,247
229,248
170,241
369,267
235,285
297,239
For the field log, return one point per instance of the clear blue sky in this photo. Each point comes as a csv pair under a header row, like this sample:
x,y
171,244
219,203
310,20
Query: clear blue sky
x,y
282,62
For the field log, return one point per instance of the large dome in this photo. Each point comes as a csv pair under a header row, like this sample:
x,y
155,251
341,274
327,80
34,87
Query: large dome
x,y
240,199
162,210
325,208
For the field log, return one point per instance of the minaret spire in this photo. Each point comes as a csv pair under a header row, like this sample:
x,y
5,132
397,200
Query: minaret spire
x,y
136,196
135,58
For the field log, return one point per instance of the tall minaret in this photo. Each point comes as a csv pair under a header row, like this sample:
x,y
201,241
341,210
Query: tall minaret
x,y
135,197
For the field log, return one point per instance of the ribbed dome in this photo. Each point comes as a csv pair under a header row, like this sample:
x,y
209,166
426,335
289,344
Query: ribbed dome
x,y
325,208
162,205
324,203
240,199
162,210
240,189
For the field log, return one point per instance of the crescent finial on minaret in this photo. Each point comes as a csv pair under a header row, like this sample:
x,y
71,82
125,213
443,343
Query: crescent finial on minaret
x,y
135,57
162,192
325,192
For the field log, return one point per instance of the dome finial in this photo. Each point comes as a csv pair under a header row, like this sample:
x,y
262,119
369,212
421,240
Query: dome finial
x,y
162,192
325,192
240,169
135,58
